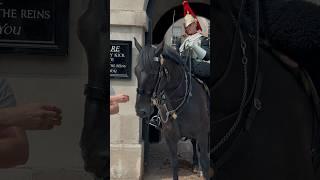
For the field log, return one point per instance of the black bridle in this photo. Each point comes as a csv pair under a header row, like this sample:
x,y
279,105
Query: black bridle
x,y
158,72
143,92
246,99
159,98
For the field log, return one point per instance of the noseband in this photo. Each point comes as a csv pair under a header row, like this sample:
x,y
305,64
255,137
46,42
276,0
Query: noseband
x,y
149,93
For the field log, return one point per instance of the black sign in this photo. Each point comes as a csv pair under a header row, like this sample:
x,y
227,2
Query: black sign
x,y
120,59
34,26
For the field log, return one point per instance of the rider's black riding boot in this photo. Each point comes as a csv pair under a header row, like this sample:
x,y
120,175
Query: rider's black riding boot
x,y
201,70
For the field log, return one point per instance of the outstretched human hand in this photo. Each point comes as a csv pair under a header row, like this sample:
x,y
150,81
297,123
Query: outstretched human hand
x,y
33,116
120,98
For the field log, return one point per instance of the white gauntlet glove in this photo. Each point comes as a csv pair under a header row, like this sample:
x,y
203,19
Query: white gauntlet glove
x,y
201,53
188,44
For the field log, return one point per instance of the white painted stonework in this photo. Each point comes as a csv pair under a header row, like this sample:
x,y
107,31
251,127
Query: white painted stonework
x,y
128,19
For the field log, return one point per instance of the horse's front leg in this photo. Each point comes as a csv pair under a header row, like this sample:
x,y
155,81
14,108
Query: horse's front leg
x,y
172,143
195,163
204,157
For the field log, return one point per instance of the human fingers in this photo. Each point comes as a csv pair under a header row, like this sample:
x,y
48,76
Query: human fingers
x,y
50,123
45,114
56,122
123,100
52,108
125,97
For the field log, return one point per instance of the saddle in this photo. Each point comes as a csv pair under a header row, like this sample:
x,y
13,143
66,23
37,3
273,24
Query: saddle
x,y
307,83
303,76
204,85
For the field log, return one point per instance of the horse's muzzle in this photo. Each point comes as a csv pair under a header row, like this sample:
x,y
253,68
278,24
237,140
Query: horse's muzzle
x,y
142,114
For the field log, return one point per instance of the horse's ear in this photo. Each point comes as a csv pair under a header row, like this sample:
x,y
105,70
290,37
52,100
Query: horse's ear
x,y
137,44
159,48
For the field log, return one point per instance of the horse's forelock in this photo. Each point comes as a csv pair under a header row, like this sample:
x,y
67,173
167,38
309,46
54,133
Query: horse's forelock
x,y
146,58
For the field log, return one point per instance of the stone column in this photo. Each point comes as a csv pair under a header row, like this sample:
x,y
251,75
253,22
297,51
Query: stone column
x,y
128,19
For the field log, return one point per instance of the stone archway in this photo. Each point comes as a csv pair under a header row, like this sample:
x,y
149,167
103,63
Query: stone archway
x,y
162,25
160,15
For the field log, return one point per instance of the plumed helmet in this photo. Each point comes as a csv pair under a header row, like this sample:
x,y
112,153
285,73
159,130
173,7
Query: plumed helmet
x,y
189,15
189,19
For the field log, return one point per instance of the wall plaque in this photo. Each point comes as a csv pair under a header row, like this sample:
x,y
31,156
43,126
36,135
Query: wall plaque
x,y
120,59
34,26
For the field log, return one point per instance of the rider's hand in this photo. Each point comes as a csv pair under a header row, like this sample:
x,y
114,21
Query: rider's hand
x,y
34,116
189,44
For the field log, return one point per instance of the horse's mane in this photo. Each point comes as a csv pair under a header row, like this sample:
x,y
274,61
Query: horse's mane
x,y
147,54
146,58
169,53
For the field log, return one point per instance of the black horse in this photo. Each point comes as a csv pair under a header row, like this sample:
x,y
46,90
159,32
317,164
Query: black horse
x,y
182,101
264,120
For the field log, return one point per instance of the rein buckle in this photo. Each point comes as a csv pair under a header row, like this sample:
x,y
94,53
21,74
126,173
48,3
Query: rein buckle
x,y
155,101
174,115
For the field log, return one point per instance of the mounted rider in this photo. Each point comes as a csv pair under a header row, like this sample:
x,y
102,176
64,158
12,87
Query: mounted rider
x,y
195,44
194,47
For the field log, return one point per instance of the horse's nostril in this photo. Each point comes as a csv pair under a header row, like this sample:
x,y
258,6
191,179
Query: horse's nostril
x,y
141,114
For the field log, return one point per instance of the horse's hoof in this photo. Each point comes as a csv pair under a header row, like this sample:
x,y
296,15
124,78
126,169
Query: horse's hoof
x,y
195,169
200,174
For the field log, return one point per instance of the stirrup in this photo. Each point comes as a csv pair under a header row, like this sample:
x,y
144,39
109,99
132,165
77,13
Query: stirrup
x,y
155,121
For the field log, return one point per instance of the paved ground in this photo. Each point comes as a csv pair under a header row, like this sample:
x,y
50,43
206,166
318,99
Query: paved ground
x,y
159,167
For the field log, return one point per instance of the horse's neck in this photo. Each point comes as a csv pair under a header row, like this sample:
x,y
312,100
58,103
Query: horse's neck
x,y
177,85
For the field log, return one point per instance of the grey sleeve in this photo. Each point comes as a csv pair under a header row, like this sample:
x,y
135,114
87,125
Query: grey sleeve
x,y
112,92
7,98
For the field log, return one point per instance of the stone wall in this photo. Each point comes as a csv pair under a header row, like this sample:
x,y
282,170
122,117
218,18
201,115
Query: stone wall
x,y
59,80
128,19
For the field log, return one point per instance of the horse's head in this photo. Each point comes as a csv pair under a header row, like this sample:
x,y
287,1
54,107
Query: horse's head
x,y
146,71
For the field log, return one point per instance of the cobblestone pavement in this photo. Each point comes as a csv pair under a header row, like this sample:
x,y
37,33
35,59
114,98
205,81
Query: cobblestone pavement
x,y
159,166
